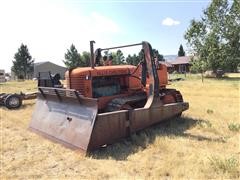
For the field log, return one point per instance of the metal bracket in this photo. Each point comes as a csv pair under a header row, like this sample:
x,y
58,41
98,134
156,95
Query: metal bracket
x,y
41,91
58,95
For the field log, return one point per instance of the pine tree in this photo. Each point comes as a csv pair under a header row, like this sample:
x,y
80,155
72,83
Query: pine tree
x,y
73,58
23,63
181,52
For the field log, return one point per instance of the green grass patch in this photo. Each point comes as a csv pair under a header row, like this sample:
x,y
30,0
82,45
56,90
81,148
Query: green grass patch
x,y
226,165
234,127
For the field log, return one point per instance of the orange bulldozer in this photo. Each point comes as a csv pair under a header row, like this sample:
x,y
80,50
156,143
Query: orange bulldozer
x,y
102,104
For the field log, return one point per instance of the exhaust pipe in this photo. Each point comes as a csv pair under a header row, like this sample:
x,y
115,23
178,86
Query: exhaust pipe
x,y
92,54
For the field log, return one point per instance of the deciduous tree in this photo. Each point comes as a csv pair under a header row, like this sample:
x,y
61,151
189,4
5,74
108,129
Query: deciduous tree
x,y
133,60
120,59
215,38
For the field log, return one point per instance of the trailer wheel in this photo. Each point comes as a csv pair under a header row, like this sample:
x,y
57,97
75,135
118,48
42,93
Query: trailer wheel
x,y
13,101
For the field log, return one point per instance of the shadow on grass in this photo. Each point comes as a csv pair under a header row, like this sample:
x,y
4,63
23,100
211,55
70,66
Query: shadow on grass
x,y
172,128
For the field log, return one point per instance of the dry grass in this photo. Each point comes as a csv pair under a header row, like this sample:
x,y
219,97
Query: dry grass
x,y
204,143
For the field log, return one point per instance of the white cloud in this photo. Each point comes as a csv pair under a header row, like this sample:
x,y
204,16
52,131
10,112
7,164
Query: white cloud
x,y
48,28
170,22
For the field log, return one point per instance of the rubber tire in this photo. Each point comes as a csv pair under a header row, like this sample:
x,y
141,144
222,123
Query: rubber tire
x,y
8,100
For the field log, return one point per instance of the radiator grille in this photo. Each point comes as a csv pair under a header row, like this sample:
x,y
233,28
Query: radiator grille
x,y
77,83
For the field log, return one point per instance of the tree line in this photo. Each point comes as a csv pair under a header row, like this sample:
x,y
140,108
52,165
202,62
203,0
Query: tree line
x,y
23,62
74,59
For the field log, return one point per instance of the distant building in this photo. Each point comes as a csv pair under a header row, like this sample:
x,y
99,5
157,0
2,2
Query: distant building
x,y
48,66
181,64
2,76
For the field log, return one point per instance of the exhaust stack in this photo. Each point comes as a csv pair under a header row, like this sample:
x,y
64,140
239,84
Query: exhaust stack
x,y
92,54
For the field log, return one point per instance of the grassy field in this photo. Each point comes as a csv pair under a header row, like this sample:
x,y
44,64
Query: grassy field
x,y
204,143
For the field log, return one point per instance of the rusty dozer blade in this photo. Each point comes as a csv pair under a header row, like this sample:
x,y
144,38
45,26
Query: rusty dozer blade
x,y
64,116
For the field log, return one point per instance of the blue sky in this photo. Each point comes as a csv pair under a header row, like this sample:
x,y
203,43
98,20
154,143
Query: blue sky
x,y
48,27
